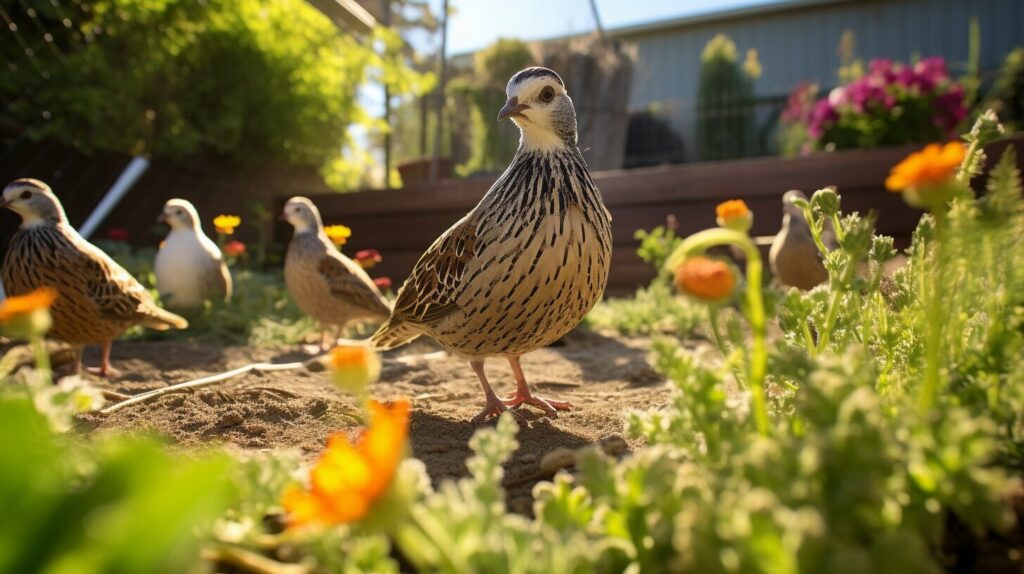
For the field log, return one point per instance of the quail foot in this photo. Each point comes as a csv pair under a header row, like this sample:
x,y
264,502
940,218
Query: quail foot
x,y
97,299
189,267
326,285
523,267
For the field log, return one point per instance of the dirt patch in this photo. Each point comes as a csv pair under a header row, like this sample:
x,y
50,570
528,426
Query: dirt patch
x,y
603,376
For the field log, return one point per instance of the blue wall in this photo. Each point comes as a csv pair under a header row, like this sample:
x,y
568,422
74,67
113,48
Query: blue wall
x,y
799,43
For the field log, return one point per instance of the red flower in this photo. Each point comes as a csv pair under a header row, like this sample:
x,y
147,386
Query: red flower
x,y
382,282
234,248
367,258
118,234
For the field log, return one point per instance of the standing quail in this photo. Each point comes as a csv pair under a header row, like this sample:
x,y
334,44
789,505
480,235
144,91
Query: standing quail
x,y
189,268
326,285
98,300
523,267
794,258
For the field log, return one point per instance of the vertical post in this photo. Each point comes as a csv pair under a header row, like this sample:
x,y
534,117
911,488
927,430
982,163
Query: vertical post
x,y
440,94
386,17
597,21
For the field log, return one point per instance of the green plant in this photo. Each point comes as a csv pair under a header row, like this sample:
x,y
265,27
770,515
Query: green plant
x,y
244,79
725,114
492,144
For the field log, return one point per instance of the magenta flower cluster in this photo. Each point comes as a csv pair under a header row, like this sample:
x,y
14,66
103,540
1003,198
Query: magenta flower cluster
x,y
885,85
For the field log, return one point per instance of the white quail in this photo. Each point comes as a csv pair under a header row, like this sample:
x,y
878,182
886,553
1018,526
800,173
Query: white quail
x,y
98,300
523,267
189,267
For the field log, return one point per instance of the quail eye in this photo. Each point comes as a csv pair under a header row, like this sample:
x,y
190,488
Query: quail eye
x,y
547,94
26,194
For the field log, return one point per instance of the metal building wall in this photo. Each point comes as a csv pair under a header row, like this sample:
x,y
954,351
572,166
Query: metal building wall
x,y
797,42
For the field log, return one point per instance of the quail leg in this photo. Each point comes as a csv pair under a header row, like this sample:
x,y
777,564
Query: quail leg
x,y
524,395
494,406
105,370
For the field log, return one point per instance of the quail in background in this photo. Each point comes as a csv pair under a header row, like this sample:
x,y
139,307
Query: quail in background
x,y
98,300
523,267
325,284
795,259
189,267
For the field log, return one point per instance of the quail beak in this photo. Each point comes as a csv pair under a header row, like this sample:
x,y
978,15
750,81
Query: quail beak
x,y
162,218
4,203
512,108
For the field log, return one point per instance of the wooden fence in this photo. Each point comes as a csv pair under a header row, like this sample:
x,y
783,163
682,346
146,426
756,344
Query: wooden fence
x,y
401,224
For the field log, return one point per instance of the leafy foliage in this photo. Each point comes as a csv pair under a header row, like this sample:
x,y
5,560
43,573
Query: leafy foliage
x,y
493,144
725,120
243,79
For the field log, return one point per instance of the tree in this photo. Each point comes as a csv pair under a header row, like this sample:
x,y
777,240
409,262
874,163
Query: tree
x,y
246,80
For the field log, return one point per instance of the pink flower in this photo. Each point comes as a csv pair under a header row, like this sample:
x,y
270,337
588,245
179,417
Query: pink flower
x,y
383,283
367,258
118,234
234,248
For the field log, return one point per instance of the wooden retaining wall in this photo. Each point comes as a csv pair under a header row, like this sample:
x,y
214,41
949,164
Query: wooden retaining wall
x,y
401,224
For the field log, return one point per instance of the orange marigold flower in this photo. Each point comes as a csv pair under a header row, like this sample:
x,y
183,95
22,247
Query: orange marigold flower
x,y
349,478
932,166
355,368
226,224
18,305
707,279
234,248
734,214
338,234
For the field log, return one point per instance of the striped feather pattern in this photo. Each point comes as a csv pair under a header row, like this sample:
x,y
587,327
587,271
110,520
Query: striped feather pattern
x,y
98,299
519,271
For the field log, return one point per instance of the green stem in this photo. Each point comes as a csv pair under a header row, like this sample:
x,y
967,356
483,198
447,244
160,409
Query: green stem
x,y
758,364
42,357
830,318
934,321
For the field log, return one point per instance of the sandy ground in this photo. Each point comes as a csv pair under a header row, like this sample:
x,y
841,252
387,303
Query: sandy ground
x,y
603,376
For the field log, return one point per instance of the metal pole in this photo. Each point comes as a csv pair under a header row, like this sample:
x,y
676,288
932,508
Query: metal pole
x,y
440,95
387,109
597,20
125,181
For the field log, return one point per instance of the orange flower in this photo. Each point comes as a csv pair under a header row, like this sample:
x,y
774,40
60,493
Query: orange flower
x,y
735,215
19,305
348,479
338,234
226,224
355,368
710,280
932,166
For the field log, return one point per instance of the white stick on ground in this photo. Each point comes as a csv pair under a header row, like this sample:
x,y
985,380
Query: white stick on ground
x,y
203,382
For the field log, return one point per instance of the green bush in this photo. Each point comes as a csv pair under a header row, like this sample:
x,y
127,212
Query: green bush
x,y
725,93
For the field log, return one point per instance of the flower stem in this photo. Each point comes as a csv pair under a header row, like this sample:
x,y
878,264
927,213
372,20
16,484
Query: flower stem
x,y
42,357
934,320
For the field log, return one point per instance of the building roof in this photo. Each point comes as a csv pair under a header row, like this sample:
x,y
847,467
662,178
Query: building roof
x,y
720,16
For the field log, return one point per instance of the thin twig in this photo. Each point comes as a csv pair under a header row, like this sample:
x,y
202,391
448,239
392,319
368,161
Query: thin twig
x,y
262,367
250,561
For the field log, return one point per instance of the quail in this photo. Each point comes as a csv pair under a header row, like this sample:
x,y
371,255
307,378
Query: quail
x,y
794,258
97,299
326,285
189,267
523,267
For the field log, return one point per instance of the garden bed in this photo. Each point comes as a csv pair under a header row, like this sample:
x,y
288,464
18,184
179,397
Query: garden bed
x,y
603,376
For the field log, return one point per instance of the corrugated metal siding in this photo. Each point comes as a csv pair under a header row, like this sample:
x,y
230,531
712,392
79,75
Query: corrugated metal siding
x,y
800,45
